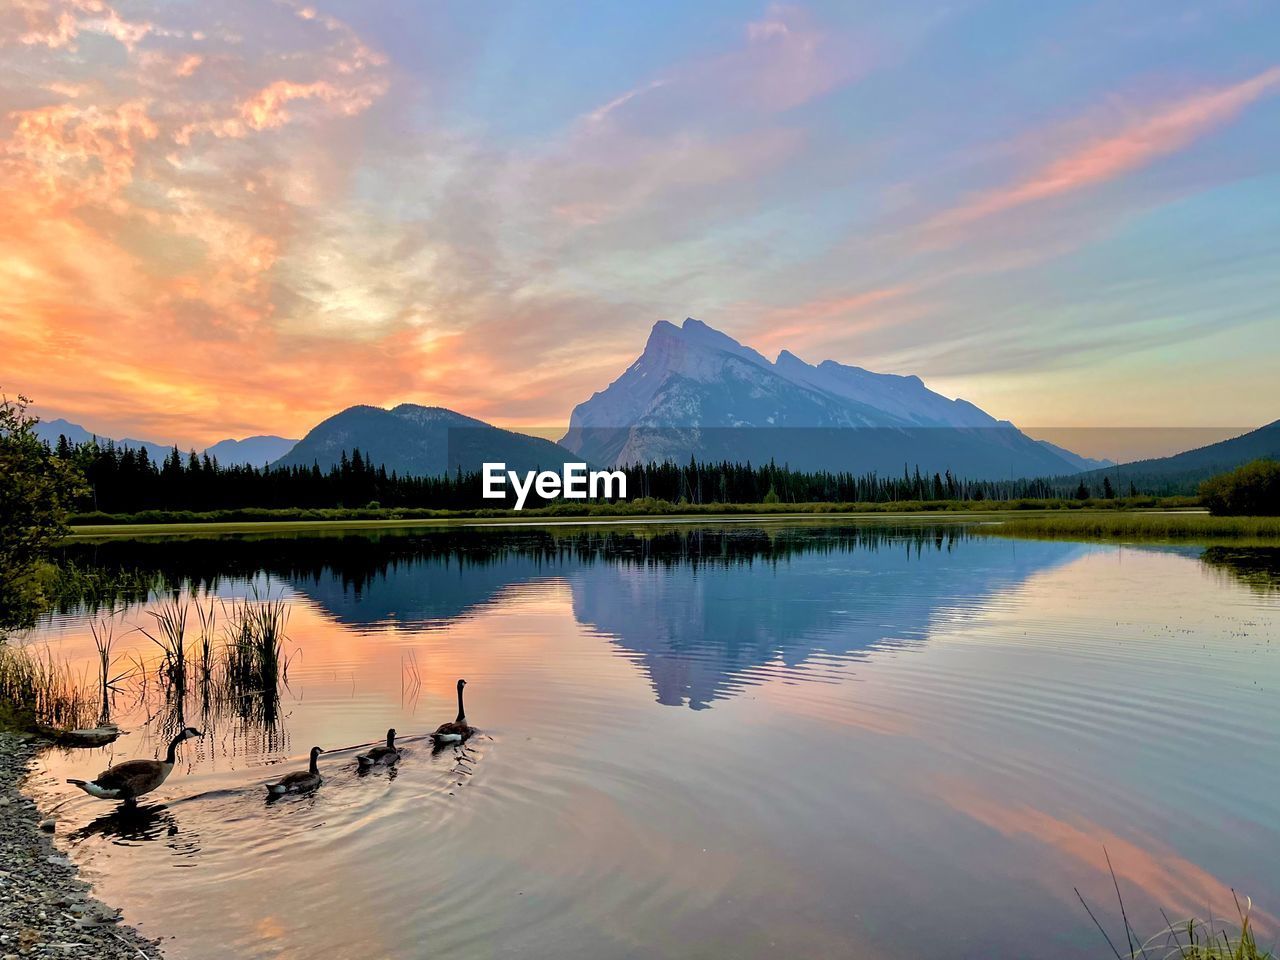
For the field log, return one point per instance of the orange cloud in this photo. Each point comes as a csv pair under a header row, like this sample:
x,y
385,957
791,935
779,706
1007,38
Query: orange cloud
x,y
73,154
56,25
267,108
1106,158
139,282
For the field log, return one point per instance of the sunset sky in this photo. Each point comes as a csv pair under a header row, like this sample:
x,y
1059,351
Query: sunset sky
x,y
223,219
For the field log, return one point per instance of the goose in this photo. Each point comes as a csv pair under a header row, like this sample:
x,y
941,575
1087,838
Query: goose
x,y
457,731
380,754
129,780
300,781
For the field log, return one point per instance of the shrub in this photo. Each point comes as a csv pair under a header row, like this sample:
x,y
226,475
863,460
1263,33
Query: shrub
x,y
1251,490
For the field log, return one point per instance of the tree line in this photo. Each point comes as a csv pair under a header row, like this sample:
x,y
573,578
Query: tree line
x,y
122,479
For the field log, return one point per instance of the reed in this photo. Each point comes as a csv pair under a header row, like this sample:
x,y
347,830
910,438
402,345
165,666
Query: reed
x,y
1136,526
206,649
241,676
38,691
111,679
1197,940
255,660
170,636
1190,939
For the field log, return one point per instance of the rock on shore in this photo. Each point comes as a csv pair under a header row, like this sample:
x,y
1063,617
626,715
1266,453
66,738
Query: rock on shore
x,y
45,908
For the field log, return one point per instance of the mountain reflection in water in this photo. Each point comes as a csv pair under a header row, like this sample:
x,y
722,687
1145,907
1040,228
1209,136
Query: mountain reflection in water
x,y
700,636
889,727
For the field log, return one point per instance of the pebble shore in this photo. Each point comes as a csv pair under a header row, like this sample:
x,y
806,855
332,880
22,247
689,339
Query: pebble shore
x,y
45,908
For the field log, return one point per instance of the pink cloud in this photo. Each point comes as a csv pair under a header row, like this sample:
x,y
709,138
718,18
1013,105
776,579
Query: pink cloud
x,y
786,61
821,320
1165,131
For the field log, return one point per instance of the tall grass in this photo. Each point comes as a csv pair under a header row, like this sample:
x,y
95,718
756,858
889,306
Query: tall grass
x,y
171,637
38,691
1195,940
255,657
178,521
255,666
206,651
1143,526
234,661
111,678
1190,939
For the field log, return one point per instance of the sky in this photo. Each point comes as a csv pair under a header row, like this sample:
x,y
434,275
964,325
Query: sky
x,y
225,219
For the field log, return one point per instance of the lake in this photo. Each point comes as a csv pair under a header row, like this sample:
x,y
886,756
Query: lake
x,y
723,740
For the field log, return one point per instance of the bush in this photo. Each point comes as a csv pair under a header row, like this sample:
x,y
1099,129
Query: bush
x,y
1252,490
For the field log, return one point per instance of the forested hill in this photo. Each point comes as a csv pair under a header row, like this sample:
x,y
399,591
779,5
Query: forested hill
x,y
1183,472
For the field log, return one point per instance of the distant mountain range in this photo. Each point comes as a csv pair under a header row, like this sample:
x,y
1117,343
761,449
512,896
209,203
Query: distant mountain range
x,y
424,441
254,451
694,391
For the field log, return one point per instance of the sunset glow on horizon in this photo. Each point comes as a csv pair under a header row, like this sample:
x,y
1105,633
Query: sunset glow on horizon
x,y
238,219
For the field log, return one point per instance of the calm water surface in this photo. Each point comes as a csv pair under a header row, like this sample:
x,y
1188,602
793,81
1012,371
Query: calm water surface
x,y
738,741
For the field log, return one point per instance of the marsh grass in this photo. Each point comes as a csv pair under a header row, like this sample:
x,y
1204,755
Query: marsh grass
x,y
175,522
255,657
111,678
38,691
206,653
230,659
1190,939
171,637
1115,525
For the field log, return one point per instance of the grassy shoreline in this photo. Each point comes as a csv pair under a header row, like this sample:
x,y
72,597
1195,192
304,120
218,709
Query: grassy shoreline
x,y
1151,526
249,520
1173,525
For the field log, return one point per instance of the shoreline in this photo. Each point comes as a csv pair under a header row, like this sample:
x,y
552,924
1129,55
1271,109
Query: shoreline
x,y
46,908
223,527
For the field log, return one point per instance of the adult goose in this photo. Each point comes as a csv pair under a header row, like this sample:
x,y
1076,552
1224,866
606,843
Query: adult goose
x,y
380,754
129,780
457,731
300,781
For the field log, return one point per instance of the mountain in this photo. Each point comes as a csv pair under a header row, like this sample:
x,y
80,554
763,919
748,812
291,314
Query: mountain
x,y
696,392
254,451
1183,472
421,441
50,430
